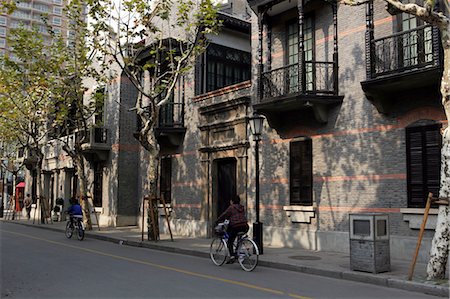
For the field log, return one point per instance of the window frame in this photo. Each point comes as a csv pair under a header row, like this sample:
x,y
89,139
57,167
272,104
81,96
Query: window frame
x,y
411,202
304,199
214,66
419,47
57,10
308,65
57,18
165,179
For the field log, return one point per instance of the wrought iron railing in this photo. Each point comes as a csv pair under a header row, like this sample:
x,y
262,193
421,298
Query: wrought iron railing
x,y
171,115
318,78
404,51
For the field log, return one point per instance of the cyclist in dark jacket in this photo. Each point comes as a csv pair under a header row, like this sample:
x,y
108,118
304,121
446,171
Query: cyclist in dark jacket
x,y
235,213
74,210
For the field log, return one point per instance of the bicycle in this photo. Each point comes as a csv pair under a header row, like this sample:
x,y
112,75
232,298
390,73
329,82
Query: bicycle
x,y
246,249
77,224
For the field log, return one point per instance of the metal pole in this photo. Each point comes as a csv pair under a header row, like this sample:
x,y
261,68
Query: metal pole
x,y
257,178
257,226
2,206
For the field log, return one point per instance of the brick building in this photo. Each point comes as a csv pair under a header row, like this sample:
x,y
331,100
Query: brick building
x,y
352,109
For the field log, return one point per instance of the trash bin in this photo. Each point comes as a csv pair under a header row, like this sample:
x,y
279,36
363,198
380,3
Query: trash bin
x,y
369,242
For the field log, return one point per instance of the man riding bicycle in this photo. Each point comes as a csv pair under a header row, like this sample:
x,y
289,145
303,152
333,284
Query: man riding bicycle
x,y
235,213
74,210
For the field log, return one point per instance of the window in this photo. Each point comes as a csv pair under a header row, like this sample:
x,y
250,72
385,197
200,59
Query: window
x,y
2,32
57,21
292,53
3,21
292,56
2,42
21,14
41,7
166,179
301,172
24,4
59,2
42,29
416,45
57,10
98,184
222,66
423,159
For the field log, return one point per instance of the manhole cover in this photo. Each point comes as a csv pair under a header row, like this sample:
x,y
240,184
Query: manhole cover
x,y
305,257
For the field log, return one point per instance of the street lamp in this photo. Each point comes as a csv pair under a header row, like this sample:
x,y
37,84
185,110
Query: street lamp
x,y
256,124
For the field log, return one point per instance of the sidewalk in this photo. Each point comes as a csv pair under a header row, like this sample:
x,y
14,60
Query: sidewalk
x,y
329,264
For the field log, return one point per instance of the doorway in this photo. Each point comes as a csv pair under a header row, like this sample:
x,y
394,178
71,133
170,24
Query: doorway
x,y
98,184
225,183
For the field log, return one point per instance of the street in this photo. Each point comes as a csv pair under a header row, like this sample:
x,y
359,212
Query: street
x,y
38,263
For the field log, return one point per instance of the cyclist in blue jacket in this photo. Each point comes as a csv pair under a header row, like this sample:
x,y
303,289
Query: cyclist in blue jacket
x,y
74,210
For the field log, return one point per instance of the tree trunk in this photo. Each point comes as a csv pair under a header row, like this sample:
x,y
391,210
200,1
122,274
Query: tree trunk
x,y
82,178
440,244
153,152
40,190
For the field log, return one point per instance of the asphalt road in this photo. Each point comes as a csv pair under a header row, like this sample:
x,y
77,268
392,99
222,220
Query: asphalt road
x,y
37,263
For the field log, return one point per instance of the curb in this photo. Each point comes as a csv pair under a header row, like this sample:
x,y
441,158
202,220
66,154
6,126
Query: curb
x,y
369,278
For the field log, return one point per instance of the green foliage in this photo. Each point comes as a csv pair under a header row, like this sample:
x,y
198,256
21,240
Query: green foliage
x,y
41,88
27,85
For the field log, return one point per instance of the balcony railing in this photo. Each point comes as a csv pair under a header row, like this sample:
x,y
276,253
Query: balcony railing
x,y
319,79
171,115
95,135
405,51
98,135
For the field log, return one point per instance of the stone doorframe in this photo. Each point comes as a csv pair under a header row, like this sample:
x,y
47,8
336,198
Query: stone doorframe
x,y
224,134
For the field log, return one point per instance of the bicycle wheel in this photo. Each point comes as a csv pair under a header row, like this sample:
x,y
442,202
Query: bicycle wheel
x,y
218,251
248,254
80,231
69,230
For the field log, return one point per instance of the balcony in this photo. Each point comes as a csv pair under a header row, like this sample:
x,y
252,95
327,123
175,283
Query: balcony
x,y
283,91
27,157
404,69
95,146
170,130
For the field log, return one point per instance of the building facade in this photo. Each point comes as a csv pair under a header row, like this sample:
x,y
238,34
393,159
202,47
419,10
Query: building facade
x,y
353,116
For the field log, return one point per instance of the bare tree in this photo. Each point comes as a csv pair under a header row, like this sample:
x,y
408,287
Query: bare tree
x,y
153,44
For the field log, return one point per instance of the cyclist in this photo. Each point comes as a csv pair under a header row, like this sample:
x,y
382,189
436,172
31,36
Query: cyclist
x,y
235,213
74,210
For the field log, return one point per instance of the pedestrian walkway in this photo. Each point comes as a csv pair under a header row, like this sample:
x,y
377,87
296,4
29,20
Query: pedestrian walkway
x,y
329,264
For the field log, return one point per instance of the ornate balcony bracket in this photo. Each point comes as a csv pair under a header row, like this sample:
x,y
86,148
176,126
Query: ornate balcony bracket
x,y
404,90
300,109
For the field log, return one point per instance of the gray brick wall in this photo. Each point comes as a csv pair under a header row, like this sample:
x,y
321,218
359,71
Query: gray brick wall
x,y
359,161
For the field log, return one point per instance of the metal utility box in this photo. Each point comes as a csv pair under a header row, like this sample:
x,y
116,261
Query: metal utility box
x,y
369,242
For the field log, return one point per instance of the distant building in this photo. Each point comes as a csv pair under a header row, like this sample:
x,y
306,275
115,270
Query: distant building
x,y
31,13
